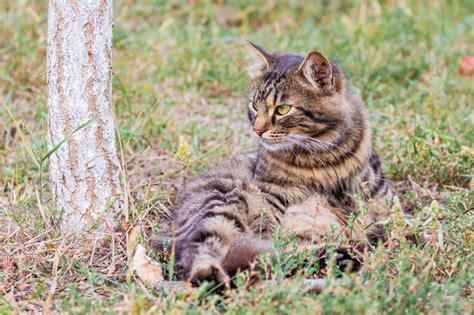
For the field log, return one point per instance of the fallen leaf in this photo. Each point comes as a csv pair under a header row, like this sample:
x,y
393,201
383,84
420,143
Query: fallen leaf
x,y
148,270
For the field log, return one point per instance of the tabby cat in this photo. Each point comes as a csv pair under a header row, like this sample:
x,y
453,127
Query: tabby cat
x,y
314,157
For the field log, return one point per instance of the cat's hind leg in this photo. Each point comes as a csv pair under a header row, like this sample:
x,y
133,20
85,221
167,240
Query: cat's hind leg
x,y
203,240
312,220
318,225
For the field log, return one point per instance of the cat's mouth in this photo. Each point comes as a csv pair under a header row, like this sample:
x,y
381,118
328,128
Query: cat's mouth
x,y
274,141
271,135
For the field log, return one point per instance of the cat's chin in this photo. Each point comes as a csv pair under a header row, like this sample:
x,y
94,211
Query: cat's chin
x,y
274,146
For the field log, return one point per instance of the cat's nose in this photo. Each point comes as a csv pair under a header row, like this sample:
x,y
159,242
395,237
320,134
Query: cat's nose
x,y
260,125
258,131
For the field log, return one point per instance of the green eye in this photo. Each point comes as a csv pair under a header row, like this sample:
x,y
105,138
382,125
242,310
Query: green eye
x,y
283,109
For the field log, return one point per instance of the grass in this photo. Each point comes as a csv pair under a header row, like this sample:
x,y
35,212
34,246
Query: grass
x,y
179,104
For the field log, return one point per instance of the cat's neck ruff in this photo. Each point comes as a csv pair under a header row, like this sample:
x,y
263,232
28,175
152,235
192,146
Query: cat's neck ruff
x,y
324,170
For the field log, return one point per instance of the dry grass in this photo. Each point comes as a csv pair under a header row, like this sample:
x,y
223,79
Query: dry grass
x,y
178,81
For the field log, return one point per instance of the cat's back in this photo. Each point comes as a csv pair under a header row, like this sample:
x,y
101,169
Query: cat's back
x,y
233,175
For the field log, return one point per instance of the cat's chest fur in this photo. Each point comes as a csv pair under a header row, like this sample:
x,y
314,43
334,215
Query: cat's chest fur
x,y
312,218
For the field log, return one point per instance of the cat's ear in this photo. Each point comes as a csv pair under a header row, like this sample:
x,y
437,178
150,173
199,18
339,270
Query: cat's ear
x,y
317,70
259,61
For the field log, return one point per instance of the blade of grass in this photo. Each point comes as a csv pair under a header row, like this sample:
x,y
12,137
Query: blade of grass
x,y
57,146
54,149
23,137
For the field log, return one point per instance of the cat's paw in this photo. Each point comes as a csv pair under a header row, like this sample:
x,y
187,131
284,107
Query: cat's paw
x,y
208,271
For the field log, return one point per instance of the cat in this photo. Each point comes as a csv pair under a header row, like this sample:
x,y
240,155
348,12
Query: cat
x,y
314,156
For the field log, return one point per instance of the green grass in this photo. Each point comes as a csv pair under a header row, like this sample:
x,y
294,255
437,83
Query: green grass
x,y
178,75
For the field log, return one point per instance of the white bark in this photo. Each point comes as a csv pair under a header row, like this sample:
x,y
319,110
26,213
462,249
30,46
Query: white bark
x,y
84,171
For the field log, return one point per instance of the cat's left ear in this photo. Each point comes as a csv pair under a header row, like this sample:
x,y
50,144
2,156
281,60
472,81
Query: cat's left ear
x,y
259,60
317,70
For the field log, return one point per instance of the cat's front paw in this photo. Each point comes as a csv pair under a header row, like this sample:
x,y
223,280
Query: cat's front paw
x,y
210,271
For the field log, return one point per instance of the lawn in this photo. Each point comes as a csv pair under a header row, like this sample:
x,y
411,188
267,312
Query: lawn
x,y
179,101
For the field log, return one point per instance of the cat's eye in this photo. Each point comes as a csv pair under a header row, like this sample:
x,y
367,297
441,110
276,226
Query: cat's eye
x,y
283,109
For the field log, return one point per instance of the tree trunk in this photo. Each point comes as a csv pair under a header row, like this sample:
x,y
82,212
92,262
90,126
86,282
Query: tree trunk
x,y
84,170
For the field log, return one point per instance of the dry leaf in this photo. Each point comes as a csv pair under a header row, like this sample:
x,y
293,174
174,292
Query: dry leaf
x,y
148,270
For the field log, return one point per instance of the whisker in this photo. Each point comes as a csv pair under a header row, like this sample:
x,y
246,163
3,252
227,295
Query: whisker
x,y
323,144
308,148
328,144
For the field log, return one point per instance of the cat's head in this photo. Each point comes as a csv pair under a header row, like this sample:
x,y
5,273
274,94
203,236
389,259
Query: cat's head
x,y
295,99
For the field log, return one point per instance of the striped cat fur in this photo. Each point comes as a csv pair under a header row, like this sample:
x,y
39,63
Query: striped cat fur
x,y
314,156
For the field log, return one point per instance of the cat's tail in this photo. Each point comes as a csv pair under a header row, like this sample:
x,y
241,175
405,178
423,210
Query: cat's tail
x,y
243,252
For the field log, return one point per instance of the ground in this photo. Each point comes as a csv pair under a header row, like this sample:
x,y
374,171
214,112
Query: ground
x,y
179,101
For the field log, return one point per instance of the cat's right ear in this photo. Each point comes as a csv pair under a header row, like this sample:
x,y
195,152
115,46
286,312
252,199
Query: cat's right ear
x,y
259,61
317,70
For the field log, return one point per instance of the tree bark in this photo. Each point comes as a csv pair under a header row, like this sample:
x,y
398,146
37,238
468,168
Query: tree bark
x,y
84,170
